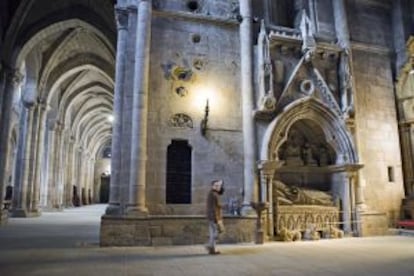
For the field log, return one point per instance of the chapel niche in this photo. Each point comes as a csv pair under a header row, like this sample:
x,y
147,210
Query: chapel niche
x,y
307,157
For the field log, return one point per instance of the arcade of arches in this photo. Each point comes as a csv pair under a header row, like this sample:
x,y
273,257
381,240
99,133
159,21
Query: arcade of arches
x,y
57,101
141,103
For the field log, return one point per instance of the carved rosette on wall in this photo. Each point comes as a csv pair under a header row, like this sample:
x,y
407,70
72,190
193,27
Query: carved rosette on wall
x,y
181,120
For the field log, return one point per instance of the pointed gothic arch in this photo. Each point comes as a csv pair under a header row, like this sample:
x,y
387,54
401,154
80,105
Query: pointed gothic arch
x,y
309,108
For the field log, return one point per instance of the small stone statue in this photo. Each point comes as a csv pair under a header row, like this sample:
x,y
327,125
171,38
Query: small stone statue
x,y
293,155
308,156
267,100
323,157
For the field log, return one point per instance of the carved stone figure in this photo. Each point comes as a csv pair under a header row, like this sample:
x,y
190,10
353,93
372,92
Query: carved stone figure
x,y
346,82
308,155
323,157
293,155
311,233
333,233
289,235
267,101
291,195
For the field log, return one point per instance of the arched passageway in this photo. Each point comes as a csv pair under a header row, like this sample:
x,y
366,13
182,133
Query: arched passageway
x,y
58,75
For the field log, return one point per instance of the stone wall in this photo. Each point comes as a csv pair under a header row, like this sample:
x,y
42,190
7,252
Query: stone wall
x,y
370,22
207,52
374,224
377,134
171,230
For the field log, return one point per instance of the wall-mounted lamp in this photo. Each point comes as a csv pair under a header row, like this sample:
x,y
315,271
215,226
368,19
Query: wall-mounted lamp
x,y
204,120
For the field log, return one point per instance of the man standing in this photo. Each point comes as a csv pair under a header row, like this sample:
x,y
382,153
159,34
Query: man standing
x,y
214,216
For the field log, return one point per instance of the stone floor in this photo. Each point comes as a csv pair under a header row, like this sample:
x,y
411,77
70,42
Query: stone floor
x,y
66,243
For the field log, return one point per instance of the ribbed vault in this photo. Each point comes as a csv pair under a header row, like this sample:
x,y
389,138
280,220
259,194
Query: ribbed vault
x,y
66,55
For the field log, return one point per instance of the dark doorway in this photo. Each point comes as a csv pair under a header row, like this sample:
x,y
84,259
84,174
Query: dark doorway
x,y
178,172
104,192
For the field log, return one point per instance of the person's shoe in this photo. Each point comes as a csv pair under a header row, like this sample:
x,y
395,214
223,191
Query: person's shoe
x,y
212,251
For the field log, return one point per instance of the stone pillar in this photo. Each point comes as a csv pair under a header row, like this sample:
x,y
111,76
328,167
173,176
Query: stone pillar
x,y
38,159
357,203
268,198
33,205
137,181
114,194
91,181
52,167
88,182
59,167
81,176
342,189
347,89
10,82
20,190
76,174
246,75
69,172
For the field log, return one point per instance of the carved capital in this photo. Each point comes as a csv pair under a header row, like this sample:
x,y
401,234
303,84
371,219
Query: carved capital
x,y
27,104
121,15
14,76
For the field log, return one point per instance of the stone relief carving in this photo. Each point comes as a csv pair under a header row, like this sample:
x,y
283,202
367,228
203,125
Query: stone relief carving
x,y
325,93
199,64
307,87
181,91
178,71
181,73
181,120
298,151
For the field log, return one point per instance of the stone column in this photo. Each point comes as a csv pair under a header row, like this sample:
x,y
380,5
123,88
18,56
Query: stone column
x,y
342,189
38,160
69,172
51,167
246,75
357,201
137,181
81,175
76,174
347,89
60,167
31,159
87,177
268,191
9,84
20,190
114,193
91,181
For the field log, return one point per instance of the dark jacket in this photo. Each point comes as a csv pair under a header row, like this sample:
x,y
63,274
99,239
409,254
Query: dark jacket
x,y
213,206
